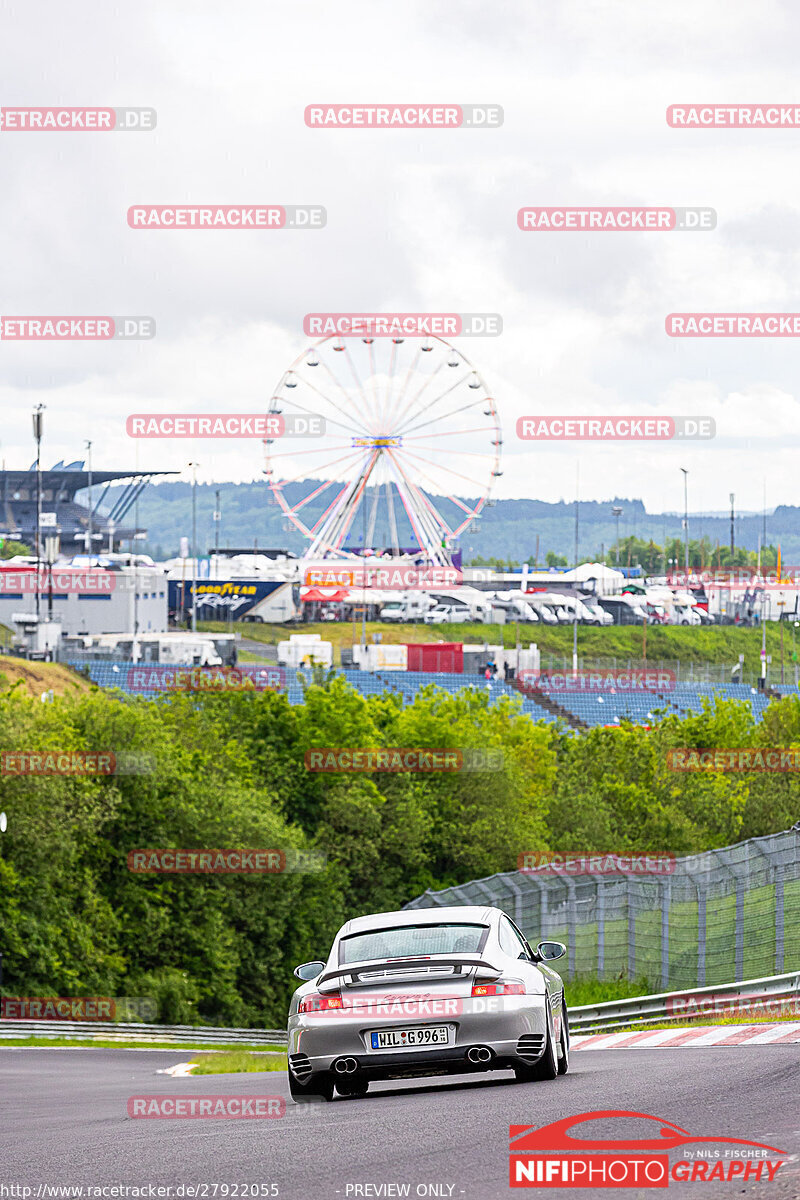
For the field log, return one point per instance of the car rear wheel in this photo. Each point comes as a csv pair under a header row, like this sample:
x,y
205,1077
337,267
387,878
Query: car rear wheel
x,y
547,1066
319,1087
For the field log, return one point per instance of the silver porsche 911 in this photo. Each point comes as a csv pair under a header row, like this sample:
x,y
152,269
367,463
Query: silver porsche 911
x,y
439,991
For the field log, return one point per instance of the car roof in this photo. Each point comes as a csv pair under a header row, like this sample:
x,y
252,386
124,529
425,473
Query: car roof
x,y
482,914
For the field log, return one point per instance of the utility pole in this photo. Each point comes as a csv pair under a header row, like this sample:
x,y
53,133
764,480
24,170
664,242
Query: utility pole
x,y
51,547
686,522
364,575
733,540
194,467
782,604
616,512
135,569
575,618
38,426
217,519
89,527
763,681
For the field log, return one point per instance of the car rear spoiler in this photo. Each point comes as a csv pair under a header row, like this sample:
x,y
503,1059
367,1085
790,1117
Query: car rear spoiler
x,y
459,963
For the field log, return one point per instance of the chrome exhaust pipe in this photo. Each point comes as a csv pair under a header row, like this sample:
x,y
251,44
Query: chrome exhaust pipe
x,y
479,1054
345,1066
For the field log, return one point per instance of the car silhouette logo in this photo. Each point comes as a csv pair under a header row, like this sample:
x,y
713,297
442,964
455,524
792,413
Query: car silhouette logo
x,y
556,1136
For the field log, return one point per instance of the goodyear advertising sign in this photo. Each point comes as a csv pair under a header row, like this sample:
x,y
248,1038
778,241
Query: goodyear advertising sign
x,y
217,599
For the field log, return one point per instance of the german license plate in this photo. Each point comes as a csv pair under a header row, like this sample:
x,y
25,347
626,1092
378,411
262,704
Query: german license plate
x,y
401,1039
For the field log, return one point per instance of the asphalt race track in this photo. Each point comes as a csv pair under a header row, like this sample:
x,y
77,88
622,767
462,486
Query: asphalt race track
x,y
63,1120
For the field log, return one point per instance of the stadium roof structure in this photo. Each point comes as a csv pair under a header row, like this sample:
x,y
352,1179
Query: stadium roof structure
x,y
59,486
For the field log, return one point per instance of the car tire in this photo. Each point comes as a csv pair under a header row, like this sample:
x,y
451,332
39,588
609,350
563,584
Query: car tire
x,y
352,1087
319,1087
563,1042
547,1065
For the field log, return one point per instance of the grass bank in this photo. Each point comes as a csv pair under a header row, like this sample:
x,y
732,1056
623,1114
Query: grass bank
x,y
698,645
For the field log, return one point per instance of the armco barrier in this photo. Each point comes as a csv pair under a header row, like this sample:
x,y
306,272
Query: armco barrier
x,y
587,1018
204,1035
645,1010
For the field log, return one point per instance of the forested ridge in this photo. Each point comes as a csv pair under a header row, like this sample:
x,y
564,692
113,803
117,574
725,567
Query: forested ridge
x,y
229,773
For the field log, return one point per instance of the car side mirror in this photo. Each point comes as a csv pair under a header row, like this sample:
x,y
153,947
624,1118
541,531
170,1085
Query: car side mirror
x,y
547,951
309,970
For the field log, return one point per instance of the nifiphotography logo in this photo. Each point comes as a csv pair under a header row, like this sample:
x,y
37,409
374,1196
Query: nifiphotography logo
x,y
552,1156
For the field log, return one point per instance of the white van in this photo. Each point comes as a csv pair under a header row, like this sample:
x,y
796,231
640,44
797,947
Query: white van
x,y
544,611
407,608
515,606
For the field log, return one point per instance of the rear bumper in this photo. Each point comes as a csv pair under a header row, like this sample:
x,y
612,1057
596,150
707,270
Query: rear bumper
x,y
515,1036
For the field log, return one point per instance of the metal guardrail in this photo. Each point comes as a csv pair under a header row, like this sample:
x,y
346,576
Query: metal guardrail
x,y
588,1018
195,1035
722,999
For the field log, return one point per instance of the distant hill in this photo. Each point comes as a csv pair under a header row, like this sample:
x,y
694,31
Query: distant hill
x,y
509,529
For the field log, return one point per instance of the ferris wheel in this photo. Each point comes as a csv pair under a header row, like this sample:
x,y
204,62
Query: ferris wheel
x,y
410,452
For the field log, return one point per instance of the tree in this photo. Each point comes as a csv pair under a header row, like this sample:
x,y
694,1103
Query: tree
x,y
10,548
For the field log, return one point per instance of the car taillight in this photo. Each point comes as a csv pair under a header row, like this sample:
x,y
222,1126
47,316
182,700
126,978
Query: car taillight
x,y
503,987
318,1003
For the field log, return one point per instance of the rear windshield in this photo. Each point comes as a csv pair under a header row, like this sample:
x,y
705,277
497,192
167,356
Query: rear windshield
x,y
409,940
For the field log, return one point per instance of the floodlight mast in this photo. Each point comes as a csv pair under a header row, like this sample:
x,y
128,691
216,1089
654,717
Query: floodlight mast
x,y
38,426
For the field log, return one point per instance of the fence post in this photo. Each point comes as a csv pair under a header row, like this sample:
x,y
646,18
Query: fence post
x,y
739,928
779,914
514,887
600,911
776,872
701,934
629,892
572,924
723,857
665,905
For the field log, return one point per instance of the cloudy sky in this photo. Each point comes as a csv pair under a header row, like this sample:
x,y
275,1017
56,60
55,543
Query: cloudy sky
x,y
417,221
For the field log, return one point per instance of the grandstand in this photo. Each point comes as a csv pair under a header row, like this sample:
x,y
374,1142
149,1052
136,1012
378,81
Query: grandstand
x,y
610,707
579,711
18,499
